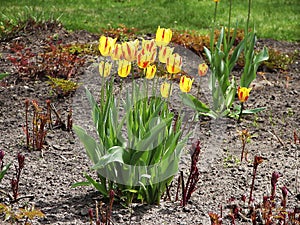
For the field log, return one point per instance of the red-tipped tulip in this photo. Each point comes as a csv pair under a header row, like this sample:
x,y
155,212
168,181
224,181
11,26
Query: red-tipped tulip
x,y
150,72
130,49
163,36
185,84
243,93
106,45
174,63
124,68
165,89
164,53
202,69
104,68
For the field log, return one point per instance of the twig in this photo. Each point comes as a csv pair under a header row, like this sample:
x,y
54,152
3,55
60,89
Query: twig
x,y
61,123
276,136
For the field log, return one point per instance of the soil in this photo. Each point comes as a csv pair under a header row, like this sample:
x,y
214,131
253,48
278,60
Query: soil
x,y
49,173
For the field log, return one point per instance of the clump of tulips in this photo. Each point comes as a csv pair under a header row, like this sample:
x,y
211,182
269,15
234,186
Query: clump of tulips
x,y
222,57
146,56
138,152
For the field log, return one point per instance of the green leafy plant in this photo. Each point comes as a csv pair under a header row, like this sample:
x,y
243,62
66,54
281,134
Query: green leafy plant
x,y
222,57
3,168
2,75
252,59
140,139
145,163
279,60
63,87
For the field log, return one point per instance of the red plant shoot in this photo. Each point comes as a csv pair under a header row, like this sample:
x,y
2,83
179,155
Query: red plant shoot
x,y
193,178
257,160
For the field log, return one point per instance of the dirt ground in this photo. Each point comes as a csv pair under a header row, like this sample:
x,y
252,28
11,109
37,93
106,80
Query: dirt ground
x,y
49,174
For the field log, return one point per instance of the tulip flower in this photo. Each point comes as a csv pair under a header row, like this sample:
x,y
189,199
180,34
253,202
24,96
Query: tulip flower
x,y
243,93
130,49
185,84
174,63
144,58
149,49
106,44
150,71
165,89
163,36
202,69
104,68
164,53
149,45
124,68
216,0
117,53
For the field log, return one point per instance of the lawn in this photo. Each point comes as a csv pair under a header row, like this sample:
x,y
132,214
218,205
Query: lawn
x,y
277,19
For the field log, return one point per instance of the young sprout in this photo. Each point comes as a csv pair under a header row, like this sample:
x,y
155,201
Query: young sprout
x,y
245,138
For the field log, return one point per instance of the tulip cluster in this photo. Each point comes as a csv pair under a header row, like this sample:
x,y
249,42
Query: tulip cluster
x,y
145,56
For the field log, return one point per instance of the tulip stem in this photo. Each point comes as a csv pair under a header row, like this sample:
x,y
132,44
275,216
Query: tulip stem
x,y
241,112
198,93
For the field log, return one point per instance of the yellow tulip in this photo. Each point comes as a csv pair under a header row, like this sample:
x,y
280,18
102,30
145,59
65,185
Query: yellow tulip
x,y
117,52
106,44
150,71
149,45
143,59
124,68
164,53
202,69
104,68
185,84
216,0
163,36
243,93
174,63
165,89
130,49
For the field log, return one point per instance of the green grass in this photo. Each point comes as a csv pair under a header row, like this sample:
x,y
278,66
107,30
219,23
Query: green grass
x,y
277,19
